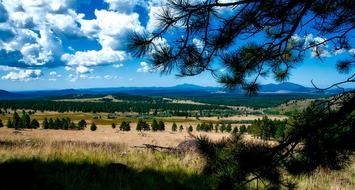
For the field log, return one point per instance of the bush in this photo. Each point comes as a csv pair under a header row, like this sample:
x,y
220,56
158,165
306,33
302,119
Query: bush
x,y
113,125
93,127
190,129
1,124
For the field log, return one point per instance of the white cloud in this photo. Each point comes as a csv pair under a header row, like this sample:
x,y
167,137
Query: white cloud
x,y
118,65
23,75
82,69
53,73
125,6
108,33
93,57
144,67
198,43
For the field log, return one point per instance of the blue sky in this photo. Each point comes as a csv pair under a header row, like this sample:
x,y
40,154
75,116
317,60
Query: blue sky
x,y
59,44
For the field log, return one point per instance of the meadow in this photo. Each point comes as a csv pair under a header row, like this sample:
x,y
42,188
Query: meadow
x,y
109,158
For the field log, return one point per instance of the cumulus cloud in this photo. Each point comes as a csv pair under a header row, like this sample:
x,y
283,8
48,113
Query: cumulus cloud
x,y
82,69
86,59
144,67
23,75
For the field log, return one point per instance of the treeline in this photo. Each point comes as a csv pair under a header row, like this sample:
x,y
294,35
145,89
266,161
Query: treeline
x,y
111,107
25,122
64,123
22,122
267,129
219,127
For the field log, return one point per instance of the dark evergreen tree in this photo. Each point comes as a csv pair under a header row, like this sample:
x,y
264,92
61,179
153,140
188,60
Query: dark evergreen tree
x,y
82,124
174,127
16,120
1,124
155,126
125,126
9,123
190,129
51,124
216,128
228,128
113,125
161,126
34,124
242,129
181,128
45,123
93,126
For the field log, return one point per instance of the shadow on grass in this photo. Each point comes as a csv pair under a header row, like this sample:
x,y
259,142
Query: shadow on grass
x,y
39,174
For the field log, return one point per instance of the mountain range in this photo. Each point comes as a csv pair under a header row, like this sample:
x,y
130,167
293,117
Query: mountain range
x,y
178,90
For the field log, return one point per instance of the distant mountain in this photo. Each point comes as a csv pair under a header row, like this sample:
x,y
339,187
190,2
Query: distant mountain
x,y
178,90
285,87
8,95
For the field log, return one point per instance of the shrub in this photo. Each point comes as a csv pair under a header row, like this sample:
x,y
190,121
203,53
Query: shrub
x,y
190,129
113,125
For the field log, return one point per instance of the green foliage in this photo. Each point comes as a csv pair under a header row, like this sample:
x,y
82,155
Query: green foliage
x,y
242,129
34,124
93,126
228,128
190,129
82,124
125,126
207,127
235,129
154,125
9,123
109,107
142,125
181,128
174,127
267,128
45,123
216,127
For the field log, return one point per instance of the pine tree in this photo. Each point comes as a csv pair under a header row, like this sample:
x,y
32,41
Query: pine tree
x,y
155,125
216,128
82,124
235,130
51,124
161,126
242,129
181,128
34,124
1,124
190,129
16,121
45,123
174,127
93,126
9,123
113,125
228,128
223,127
